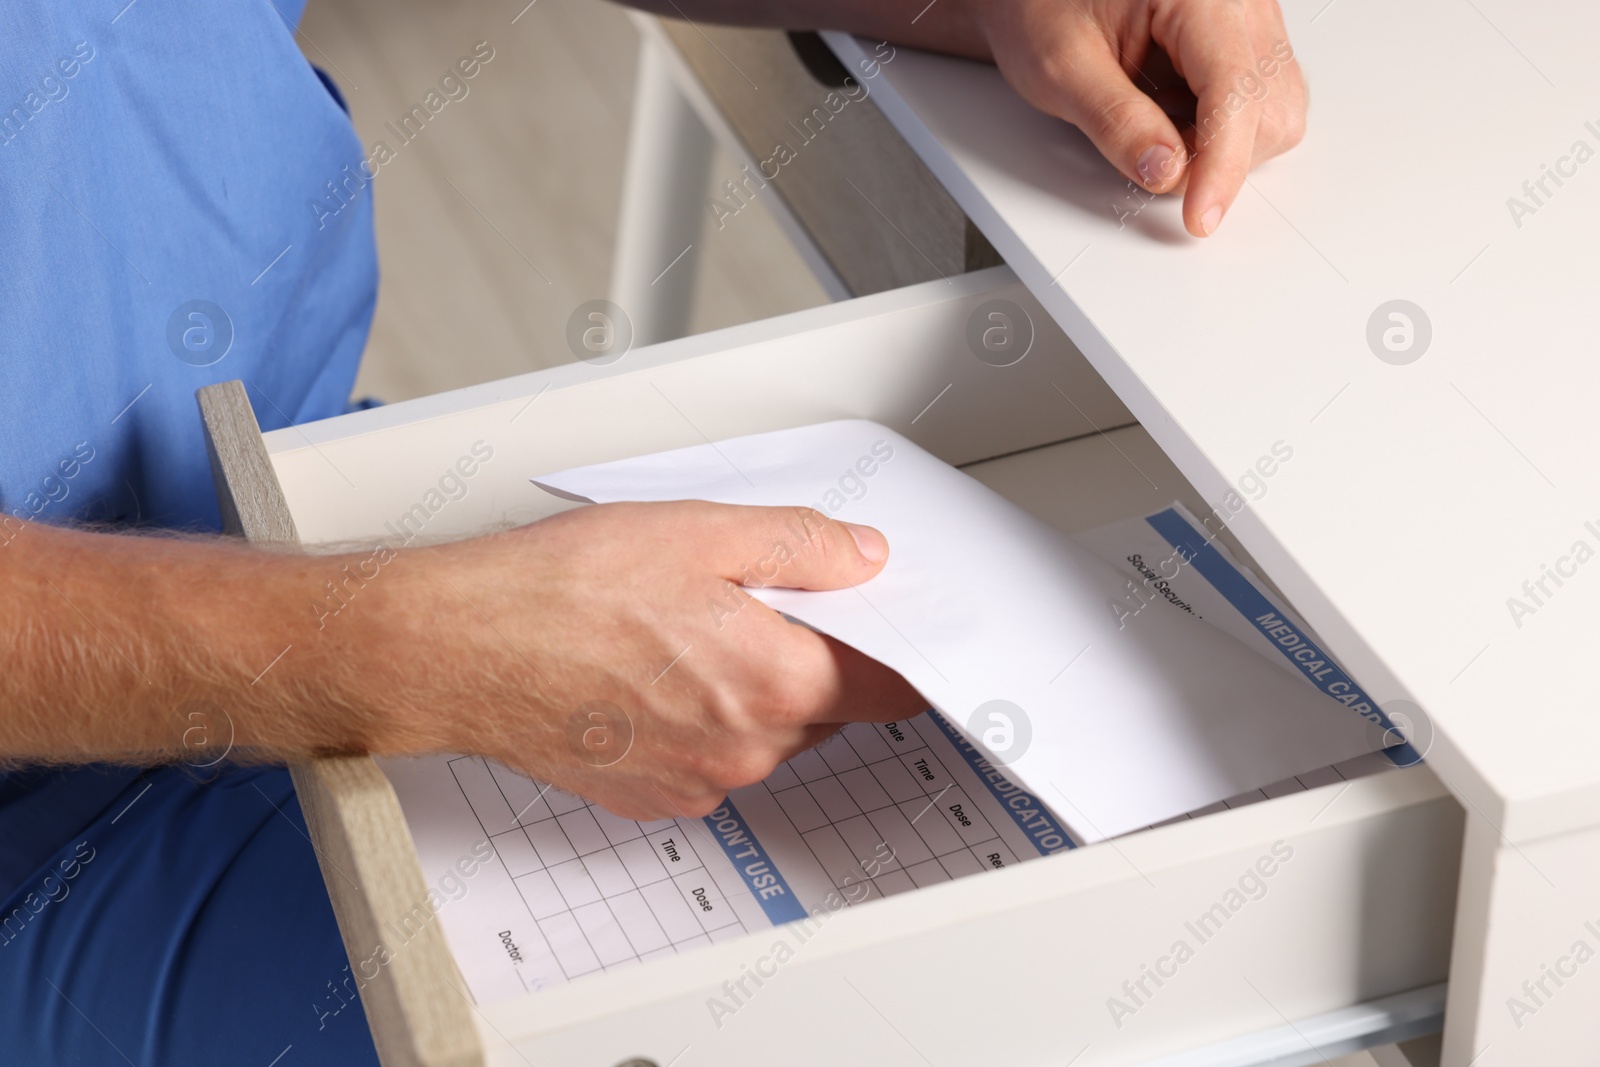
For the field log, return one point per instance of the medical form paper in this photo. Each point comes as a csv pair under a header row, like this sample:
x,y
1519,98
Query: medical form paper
x,y
570,890
1120,717
876,810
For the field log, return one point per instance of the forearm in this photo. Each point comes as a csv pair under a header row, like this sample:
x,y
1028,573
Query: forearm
x,y
523,646
942,26
129,648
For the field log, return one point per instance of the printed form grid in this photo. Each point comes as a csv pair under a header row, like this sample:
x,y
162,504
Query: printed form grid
x,y
598,887
600,895
864,789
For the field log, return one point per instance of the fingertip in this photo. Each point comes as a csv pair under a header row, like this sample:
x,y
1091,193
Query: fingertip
x,y
699,807
1159,167
871,543
1205,206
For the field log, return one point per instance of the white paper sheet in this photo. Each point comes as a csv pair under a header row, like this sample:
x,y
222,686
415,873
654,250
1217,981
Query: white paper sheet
x,y
1133,719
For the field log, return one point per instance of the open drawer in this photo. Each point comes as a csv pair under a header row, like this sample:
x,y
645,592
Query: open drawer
x,y
1344,944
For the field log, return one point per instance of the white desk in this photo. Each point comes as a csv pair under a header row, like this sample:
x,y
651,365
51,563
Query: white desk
x,y
1420,496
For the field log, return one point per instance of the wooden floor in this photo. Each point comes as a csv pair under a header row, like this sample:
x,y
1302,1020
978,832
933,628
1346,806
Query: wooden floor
x,y
499,218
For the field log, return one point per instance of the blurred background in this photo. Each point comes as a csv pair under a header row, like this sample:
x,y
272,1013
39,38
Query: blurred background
x,y
520,178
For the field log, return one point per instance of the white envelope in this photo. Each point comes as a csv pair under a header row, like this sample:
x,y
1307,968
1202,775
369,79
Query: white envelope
x,y
1122,723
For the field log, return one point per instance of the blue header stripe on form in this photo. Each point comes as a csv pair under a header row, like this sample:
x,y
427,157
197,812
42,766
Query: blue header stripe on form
x,y
755,866
1025,809
1285,636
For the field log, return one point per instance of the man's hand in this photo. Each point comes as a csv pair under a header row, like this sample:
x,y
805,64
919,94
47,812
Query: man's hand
x,y
1103,65
546,647
1107,67
611,650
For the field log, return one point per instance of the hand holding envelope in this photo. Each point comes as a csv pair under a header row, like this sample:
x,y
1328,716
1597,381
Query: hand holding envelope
x,y
1117,723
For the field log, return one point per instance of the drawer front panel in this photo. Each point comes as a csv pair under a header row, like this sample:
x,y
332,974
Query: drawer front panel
x,y
1123,952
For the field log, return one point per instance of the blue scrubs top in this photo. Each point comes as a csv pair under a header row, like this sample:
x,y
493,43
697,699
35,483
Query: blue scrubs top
x,y
174,212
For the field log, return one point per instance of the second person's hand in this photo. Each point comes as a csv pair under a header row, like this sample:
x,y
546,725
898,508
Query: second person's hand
x,y
1096,64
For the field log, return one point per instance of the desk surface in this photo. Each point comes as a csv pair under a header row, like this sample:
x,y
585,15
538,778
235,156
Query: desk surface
x,y
1420,496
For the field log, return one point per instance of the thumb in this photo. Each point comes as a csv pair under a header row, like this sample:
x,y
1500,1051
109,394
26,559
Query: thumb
x,y
797,548
1094,93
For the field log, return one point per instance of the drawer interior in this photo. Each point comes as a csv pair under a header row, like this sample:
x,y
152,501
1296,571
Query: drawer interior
x,y
1364,908
1026,964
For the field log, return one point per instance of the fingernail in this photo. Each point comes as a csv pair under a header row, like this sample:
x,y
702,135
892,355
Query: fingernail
x,y
1208,221
1155,166
872,544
